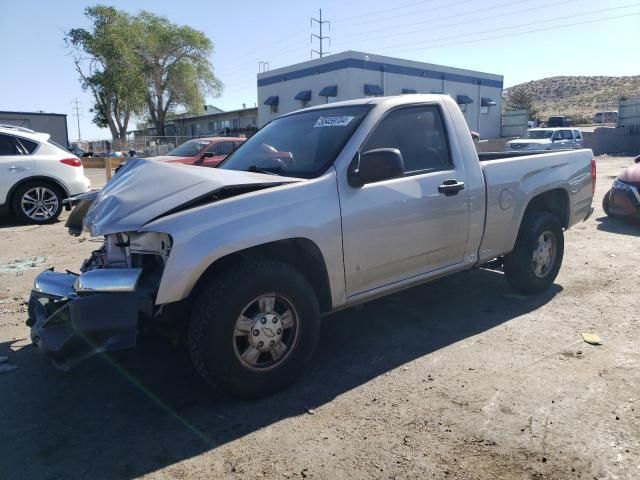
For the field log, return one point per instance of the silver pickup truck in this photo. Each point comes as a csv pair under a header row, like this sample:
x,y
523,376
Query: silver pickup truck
x,y
321,209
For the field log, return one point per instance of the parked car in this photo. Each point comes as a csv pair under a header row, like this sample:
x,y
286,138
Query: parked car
x,y
37,175
606,117
205,152
321,209
623,200
558,121
546,139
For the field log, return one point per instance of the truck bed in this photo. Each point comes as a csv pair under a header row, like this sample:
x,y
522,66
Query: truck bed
x,y
513,179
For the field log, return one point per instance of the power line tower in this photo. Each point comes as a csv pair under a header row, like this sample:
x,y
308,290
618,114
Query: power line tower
x,y
76,108
320,38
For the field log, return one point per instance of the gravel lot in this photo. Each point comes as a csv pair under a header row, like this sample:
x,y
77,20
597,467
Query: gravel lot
x,y
456,379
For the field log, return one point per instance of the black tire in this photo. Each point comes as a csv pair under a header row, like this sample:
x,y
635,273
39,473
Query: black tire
x,y
605,203
217,306
519,267
52,192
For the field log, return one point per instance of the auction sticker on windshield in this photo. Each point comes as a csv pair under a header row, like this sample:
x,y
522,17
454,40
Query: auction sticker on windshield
x,y
341,121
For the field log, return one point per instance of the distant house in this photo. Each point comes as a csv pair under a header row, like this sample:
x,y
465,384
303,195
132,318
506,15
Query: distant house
x,y
213,121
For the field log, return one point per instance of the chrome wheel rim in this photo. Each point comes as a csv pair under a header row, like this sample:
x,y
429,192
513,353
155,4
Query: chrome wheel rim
x,y
544,254
39,203
266,332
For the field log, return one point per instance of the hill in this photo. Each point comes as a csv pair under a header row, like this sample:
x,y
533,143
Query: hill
x,y
579,96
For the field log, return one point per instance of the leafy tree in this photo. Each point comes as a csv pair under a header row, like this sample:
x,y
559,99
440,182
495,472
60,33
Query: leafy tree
x,y
175,63
109,67
520,99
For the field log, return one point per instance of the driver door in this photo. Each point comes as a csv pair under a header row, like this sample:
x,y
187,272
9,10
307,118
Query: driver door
x,y
404,227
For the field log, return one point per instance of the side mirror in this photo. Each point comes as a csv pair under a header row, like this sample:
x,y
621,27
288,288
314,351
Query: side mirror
x,y
376,165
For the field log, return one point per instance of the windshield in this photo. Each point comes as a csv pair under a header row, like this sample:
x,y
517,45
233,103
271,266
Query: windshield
x,y
189,149
300,145
538,134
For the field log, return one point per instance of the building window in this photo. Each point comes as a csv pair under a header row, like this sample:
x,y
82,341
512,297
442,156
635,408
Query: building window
x,y
304,103
463,107
484,110
274,108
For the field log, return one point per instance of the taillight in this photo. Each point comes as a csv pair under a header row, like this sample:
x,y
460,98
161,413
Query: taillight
x,y
72,162
594,174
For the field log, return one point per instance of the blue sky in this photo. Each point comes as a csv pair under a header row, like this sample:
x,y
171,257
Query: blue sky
x,y
518,39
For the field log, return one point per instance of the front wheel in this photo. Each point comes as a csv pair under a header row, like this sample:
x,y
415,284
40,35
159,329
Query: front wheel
x,y
253,328
535,261
37,202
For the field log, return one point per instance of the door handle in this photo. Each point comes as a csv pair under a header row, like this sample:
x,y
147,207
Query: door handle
x,y
13,168
451,187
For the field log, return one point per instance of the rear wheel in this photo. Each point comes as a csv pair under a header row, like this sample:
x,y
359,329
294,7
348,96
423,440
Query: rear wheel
x,y
253,328
535,261
38,202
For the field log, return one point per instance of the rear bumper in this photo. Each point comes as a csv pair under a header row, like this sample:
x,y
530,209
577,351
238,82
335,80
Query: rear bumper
x,y
75,316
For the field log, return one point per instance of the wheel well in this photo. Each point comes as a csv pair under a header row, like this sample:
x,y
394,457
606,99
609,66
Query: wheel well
x,y
553,201
300,253
48,180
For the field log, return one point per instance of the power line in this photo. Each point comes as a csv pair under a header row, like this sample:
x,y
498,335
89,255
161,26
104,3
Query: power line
x,y
320,38
463,14
555,27
387,18
375,12
510,27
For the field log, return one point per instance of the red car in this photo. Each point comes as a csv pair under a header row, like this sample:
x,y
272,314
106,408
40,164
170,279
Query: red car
x,y
205,152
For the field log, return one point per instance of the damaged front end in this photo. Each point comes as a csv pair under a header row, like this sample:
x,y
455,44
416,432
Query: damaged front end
x,y
73,316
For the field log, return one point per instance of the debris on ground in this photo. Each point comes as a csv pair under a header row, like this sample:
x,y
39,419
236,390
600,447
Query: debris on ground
x,y
591,338
22,264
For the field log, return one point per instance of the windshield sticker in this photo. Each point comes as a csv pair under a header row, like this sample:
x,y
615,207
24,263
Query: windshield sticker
x,y
341,121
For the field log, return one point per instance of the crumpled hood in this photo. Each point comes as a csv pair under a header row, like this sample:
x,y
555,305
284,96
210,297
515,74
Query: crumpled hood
x,y
144,190
167,158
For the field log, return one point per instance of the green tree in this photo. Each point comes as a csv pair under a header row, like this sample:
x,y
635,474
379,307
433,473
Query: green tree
x,y
176,67
109,68
519,99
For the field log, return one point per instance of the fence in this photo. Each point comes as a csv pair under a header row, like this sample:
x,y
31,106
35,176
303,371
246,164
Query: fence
x,y
514,123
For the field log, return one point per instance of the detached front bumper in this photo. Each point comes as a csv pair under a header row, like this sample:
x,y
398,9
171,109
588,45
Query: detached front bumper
x,y
75,316
624,200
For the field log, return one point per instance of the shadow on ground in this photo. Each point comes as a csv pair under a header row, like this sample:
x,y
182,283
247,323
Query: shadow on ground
x,y
7,221
146,409
621,226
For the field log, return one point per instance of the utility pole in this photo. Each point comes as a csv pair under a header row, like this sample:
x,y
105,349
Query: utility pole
x,y
76,107
320,38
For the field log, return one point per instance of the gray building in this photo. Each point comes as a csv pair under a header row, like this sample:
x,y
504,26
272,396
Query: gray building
x,y
215,122
55,124
350,75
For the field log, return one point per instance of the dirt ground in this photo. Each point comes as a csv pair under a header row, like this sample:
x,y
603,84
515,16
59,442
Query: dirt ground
x,y
456,379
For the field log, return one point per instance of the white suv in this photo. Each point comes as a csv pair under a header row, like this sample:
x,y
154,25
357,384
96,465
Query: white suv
x,y
36,175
